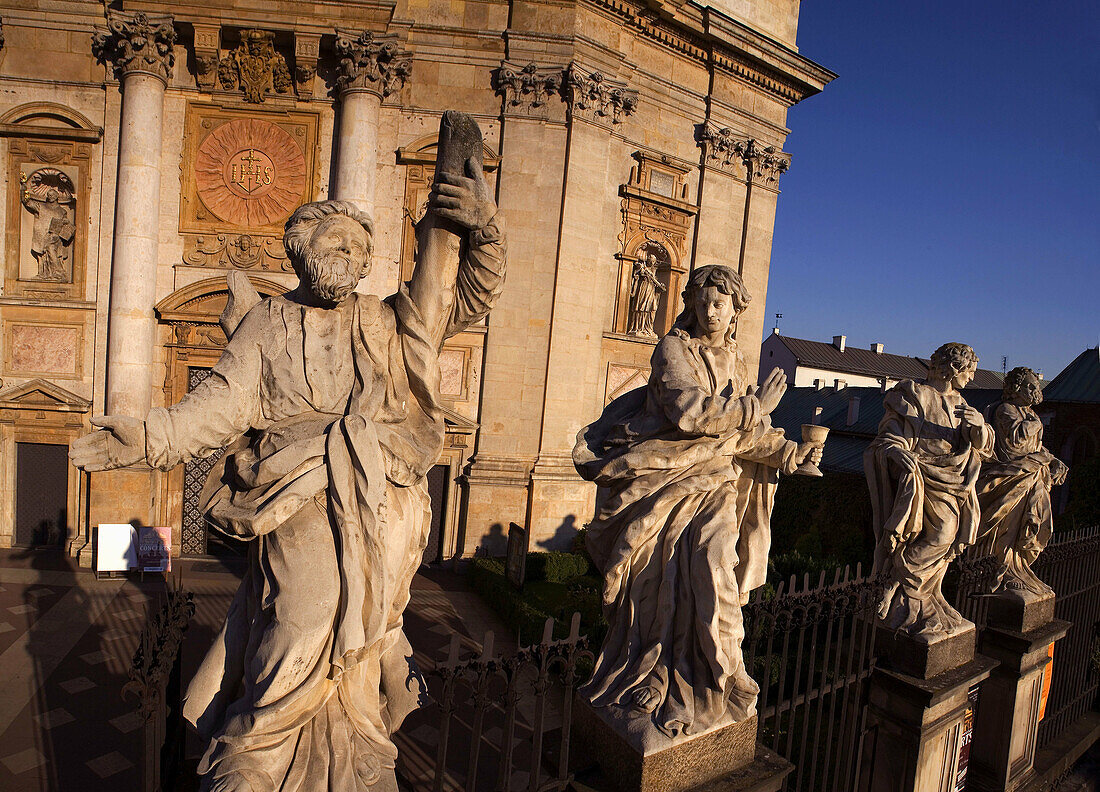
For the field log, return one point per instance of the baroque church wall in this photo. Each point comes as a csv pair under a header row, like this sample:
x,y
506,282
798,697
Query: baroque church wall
x,y
611,132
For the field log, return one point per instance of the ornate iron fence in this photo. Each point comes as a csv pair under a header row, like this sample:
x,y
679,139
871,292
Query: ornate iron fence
x,y
155,681
811,650
1071,566
505,721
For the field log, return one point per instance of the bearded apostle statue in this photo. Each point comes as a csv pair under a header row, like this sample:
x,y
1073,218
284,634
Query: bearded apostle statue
x,y
1014,488
328,400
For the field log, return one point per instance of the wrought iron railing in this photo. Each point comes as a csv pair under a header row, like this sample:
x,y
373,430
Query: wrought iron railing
x,y
1071,566
505,721
155,682
811,650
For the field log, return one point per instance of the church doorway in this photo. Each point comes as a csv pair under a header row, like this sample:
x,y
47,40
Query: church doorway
x,y
41,494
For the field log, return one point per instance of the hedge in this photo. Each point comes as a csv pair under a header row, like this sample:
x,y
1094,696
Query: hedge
x,y
555,567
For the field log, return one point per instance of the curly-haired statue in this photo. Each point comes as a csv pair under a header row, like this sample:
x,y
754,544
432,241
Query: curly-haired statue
x,y
687,468
922,470
328,401
1014,488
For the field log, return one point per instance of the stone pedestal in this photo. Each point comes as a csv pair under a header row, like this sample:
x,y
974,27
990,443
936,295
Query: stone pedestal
x,y
725,759
918,711
1018,635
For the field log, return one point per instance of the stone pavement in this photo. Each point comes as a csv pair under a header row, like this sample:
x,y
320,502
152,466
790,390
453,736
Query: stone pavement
x,y
66,640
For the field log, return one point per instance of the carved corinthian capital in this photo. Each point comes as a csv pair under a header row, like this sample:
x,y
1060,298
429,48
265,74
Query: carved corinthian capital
x,y
723,149
136,42
593,96
371,63
528,87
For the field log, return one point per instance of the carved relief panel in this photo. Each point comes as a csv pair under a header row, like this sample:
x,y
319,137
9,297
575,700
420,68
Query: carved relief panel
x,y
47,218
654,257
243,174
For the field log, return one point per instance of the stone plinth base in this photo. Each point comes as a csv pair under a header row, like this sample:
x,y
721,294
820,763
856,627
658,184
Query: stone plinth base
x,y
916,727
723,756
1019,611
1007,720
921,658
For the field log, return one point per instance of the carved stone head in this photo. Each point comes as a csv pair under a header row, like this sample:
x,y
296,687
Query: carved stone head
x,y
954,363
1022,387
724,280
329,244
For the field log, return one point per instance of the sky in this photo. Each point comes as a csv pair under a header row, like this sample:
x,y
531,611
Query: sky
x,y
946,185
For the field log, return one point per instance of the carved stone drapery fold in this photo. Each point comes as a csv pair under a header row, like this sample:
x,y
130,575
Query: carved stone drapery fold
x,y
137,42
723,149
595,97
528,87
255,67
371,63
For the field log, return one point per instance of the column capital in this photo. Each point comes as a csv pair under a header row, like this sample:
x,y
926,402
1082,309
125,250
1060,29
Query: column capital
x,y
591,95
372,63
136,43
527,87
726,150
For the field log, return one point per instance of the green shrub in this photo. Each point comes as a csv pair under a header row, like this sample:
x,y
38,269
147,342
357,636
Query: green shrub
x,y
555,567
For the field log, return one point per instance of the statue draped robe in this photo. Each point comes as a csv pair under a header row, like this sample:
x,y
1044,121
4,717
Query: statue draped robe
x,y
332,420
687,469
1014,493
922,470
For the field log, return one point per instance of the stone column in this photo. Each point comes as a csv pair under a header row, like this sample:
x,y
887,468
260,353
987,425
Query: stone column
x,y
529,187
1018,634
140,49
371,68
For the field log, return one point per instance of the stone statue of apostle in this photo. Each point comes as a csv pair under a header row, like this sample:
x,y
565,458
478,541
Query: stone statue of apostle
x,y
328,401
687,469
922,469
1014,488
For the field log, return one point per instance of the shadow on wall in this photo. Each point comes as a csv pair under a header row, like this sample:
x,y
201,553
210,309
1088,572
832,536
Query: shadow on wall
x,y
495,542
562,539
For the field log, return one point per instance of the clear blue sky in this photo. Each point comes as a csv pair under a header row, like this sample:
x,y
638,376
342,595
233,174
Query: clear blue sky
x,y
946,186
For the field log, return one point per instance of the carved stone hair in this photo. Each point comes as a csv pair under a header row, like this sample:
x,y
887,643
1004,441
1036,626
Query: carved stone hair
x,y
721,277
1016,379
299,227
951,358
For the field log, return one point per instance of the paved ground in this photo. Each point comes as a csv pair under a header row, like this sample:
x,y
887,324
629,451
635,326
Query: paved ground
x,y
66,640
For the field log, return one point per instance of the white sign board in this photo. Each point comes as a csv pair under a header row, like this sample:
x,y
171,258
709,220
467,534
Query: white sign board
x,y
116,547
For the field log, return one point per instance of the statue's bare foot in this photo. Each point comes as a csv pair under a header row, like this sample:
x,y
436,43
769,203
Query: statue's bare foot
x,y
646,699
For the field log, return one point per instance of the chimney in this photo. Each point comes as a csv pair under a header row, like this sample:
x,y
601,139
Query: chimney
x,y
817,416
853,409
884,384
877,348
838,342
775,331
819,384
840,384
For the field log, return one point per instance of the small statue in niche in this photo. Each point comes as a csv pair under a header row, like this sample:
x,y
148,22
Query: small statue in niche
x,y
922,470
1014,488
47,194
687,468
645,293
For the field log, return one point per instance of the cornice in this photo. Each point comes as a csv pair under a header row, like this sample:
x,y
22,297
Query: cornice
x,y
708,35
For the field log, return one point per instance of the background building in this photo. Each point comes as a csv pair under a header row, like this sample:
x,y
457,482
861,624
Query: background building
x,y
150,151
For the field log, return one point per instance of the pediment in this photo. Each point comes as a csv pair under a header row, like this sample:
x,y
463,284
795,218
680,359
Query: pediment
x,y
49,120
422,151
458,424
40,394
202,302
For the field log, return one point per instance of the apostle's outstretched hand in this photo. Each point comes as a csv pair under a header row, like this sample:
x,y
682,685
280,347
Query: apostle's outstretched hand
x,y
119,442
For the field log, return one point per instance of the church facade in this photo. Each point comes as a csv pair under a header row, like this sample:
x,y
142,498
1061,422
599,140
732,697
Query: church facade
x,y
151,149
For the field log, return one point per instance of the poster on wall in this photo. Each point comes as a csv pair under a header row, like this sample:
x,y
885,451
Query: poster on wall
x,y
154,548
965,737
116,548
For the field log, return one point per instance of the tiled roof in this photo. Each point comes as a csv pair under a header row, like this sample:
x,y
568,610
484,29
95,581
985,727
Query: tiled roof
x,y
844,449
818,354
854,360
1079,381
